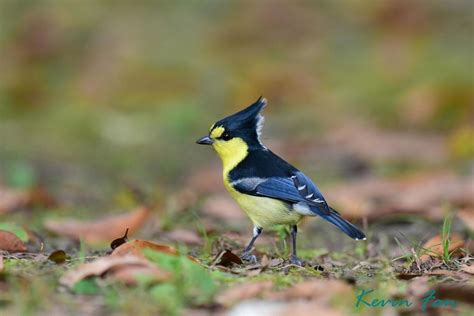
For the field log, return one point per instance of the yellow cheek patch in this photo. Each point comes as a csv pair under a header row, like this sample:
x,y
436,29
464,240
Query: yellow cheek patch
x,y
217,132
232,152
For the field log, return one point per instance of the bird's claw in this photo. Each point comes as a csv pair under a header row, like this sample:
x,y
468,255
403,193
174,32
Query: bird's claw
x,y
248,257
296,261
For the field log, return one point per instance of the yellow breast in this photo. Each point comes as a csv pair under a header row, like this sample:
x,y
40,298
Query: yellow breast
x,y
264,212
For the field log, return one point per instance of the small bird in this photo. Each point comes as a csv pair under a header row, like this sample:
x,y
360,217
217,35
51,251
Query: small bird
x,y
269,189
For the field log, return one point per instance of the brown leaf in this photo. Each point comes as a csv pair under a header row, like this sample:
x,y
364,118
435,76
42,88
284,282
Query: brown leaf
x,y
434,246
12,199
113,264
467,216
226,258
441,272
420,194
38,196
10,242
408,276
99,230
242,292
136,247
468,269
58,257
1,263
184,236
275,262
370,144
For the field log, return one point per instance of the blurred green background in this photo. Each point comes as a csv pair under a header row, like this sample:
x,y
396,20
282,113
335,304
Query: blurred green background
x,y
95,94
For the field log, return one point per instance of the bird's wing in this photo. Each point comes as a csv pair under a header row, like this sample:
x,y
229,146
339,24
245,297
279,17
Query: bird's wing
x,y
295,189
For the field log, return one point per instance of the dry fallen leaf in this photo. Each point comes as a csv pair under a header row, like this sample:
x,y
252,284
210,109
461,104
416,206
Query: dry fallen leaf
x,y
434,246
468,269
12,199
242,292
10,242
184,236
58,256
467,216
1,263
408,275
275,262
99,230
136,247
370,144
417,194
111,266
226,258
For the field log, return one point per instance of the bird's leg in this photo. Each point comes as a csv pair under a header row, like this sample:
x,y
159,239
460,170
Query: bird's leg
x,y
294,258
246,254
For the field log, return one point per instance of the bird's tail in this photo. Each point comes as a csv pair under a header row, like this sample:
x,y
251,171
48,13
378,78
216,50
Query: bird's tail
x,y
349,229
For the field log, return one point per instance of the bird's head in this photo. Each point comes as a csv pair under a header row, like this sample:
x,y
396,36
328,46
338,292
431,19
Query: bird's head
x,y
237,133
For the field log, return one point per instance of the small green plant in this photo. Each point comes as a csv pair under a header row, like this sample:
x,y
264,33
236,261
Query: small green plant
x,y
411,254
445,237
191,283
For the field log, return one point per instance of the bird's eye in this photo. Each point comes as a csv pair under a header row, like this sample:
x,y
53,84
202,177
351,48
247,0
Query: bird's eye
x,y
226,136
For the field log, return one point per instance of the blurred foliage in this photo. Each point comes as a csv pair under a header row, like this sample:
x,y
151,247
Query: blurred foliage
x,y
120,90
192,282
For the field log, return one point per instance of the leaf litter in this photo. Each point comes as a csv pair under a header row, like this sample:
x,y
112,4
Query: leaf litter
x,y
10,242
100,230
114,267
306,295
58,256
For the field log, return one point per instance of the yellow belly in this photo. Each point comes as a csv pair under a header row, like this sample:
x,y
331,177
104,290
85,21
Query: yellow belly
x,y
264,212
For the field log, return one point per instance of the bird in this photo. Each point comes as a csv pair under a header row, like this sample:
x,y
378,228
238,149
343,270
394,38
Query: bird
x,y
270,190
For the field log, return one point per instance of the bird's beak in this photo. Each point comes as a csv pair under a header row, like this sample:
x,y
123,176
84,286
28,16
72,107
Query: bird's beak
x,y
206,140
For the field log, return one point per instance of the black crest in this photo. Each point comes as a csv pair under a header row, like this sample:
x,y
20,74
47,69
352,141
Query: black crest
x,y
247,123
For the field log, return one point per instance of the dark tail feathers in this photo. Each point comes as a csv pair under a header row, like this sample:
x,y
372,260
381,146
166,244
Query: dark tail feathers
x,y
335,218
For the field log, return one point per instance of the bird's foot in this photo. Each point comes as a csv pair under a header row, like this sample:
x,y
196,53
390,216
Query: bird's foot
x,y
248,257
296,261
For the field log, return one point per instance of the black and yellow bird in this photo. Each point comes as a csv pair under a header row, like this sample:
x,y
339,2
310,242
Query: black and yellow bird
x,y
269,189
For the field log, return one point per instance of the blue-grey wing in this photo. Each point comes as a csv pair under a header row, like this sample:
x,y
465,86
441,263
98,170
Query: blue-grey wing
x,y
295,189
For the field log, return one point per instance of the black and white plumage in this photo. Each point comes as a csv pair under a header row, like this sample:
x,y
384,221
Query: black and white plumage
x,y
267,187
280,180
